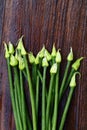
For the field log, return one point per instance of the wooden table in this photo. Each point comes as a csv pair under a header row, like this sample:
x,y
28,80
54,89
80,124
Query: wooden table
x,y
44,22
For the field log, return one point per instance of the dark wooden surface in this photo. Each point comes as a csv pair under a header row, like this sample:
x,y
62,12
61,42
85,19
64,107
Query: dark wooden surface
x,y
44,22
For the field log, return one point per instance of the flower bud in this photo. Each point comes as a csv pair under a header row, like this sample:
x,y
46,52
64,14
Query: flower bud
x,y
31,57
44,62
53,69
21,47
20,42
13,60
73,80
47,55
58,56
70,55
11,48
6,51
17,55
23,51
53,54
41,53
76,64
21,63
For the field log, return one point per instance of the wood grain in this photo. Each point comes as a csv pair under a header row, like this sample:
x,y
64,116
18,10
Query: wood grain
x,y
44,22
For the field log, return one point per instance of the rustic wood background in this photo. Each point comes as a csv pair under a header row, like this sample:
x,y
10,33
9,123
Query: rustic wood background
x,y
45,21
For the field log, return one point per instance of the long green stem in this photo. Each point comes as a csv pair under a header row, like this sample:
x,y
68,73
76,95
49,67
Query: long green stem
x,y
55,112
40,76
34,68
17,97
64,79
67,83
66,109
29,124
24,73
18,87
49,100
49,124
31,95
12,94
23,112
43,99
69,78
37,95
17,108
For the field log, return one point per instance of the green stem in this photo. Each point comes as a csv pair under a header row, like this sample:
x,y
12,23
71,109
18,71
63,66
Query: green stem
x,y
23,113
24,72
12,94
18,87
55,112
64,79
69,78
17,108
29,125
49,100
31,95
50,124
17,97
37,95
66,109
43,98
34,74
40,76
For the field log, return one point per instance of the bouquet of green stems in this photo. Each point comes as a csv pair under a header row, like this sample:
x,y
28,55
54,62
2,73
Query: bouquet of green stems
x,y
45,92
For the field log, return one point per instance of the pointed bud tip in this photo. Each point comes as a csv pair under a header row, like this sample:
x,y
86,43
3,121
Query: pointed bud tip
x,y
7,55
58,56
70,55
21,46
41,52
53,54
47,55
11,48
43,46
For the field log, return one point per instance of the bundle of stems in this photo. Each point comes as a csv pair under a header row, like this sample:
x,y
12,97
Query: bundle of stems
x,y
45,89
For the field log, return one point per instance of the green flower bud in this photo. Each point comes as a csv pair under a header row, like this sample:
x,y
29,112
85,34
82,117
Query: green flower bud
x,y
21,63
23,51
41,53
70,56
13,60
21,47
6,51
17,55
11,48
20,42
73,80
37,60
44,62
76,64
47,55
53,69
31,57
58,56
53,54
